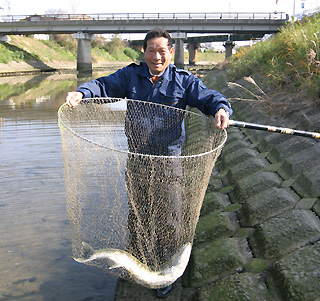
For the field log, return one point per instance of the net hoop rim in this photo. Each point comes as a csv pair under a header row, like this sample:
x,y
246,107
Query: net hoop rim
x,y
91,100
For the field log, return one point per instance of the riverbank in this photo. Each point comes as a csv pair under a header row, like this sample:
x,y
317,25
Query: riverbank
x,y
258,236
36,67
27,55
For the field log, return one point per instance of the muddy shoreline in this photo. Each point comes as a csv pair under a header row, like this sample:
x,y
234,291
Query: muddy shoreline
x,y
36,68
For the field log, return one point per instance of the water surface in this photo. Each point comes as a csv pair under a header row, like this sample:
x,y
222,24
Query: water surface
x,y
35,239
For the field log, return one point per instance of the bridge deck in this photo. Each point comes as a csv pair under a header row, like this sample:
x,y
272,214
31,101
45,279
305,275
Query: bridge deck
x,y
141,23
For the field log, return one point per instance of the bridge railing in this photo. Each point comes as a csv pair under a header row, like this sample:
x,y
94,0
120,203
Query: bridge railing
x,y
145,16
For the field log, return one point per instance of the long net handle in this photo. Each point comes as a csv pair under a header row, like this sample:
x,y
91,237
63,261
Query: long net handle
x,y
275,129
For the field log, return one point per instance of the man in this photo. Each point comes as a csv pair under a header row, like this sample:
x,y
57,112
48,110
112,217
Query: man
x,y
155,81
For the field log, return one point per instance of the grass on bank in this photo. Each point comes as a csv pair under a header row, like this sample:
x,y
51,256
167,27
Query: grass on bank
x,y
207,56
289,59
64,48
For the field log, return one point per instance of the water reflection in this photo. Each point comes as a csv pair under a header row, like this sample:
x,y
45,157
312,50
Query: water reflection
x,y
35,241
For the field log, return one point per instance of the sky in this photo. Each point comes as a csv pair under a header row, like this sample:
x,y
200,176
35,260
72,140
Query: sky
x,y
30,7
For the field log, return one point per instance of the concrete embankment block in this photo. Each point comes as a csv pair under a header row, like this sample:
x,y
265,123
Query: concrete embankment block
x,y
272,140
266,204
237,157
300,162
255,136
316,208
245,111
217,259
298,274
307,120
213,202
234,145
259,118
246,167
288,148
234,135
215,225
244,286
255,183
285,233
215,184
306,204
308,183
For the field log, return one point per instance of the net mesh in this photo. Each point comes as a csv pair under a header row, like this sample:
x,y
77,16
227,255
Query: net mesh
x,y
135,175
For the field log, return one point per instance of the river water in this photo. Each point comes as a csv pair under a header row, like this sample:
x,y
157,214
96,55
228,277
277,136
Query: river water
x,y
35,240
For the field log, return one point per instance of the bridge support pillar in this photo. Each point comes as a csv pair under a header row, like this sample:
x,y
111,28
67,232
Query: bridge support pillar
x,y
193,50
229,46
84,59
5,38
179,51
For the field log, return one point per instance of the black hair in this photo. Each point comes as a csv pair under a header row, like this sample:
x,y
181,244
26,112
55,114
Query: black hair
x,y
157,33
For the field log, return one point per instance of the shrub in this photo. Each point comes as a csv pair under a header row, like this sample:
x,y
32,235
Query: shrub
x,y
66,41
132,53
115,45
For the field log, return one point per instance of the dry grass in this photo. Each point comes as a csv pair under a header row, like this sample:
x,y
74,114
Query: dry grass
x,y
276,102
289,60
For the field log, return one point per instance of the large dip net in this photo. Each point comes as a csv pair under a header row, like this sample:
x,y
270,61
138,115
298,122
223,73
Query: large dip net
x,y
135,175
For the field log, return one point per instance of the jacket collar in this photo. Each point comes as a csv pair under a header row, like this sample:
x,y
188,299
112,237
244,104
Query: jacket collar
x,y
166,79
167,75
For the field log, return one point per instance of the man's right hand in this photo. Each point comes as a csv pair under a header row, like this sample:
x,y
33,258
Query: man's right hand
x,y
73,99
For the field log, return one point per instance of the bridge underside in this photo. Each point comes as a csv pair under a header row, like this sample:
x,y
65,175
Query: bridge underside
x,y
193,44
224,37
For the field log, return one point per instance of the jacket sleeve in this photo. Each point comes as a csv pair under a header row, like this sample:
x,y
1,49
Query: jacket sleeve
x,y
113,85
206,100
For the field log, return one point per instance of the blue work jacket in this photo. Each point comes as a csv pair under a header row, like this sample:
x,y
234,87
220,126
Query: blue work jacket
x,y
176,87
161,132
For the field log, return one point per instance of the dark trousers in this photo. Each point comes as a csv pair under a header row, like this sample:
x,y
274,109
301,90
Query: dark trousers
x,y
154,187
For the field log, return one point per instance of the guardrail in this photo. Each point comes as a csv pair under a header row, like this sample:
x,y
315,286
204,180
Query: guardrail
x,y
145,16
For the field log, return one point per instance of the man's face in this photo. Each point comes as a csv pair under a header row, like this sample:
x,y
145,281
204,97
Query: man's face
x,y
158,55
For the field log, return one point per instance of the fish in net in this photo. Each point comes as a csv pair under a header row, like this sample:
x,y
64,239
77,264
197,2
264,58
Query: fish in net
x,y
135,175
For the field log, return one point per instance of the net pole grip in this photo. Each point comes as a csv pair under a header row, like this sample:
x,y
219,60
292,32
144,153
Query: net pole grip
x,y
274,129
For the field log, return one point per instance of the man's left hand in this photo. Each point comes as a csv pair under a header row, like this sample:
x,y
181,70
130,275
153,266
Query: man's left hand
x,y
221,119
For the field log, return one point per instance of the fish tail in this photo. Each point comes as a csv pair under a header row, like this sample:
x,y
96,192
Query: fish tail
x,y
80,260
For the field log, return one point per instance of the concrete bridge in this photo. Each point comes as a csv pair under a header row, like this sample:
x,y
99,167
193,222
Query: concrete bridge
x,y
84,26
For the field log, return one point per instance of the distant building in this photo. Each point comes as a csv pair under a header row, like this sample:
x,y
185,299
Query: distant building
x,y
55,17
306,8
41,36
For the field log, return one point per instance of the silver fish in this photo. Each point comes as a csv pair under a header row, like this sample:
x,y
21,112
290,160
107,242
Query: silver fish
x,y
137,270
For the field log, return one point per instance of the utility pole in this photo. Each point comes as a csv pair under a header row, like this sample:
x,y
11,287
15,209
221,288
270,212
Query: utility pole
x,y
8,4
